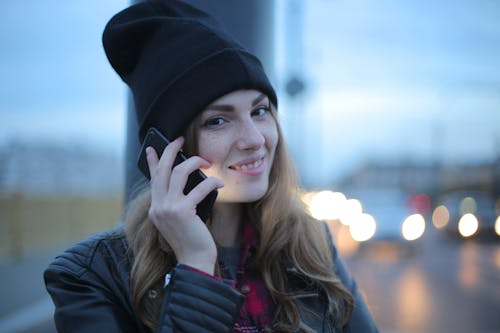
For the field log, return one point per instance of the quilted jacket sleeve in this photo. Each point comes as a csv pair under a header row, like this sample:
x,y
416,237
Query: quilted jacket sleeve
x,y
195,302
88,291
89,286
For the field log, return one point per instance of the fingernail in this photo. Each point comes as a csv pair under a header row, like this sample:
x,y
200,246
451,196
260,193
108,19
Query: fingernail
x,y
149,150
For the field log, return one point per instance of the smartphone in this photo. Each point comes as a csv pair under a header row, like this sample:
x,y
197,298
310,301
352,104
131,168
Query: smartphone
x,y
158,141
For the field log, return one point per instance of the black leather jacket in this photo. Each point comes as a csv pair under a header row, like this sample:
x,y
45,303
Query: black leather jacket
x,y
89,284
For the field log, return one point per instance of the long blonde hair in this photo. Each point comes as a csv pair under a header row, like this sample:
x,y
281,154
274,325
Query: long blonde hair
x,y
285,229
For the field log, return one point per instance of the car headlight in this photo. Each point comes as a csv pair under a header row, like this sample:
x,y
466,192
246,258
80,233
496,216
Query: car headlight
x,y
363,228
413,227
468,225
497,226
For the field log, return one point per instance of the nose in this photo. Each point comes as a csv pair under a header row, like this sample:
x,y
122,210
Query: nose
x,y
251,136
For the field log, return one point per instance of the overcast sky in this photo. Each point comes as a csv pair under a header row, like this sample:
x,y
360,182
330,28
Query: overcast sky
x,y
56,83
395,80
384,79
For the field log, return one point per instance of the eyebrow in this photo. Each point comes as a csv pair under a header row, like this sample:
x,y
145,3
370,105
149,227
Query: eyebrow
x,y
228,107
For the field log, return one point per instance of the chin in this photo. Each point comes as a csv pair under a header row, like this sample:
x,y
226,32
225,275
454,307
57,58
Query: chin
x,y
241,196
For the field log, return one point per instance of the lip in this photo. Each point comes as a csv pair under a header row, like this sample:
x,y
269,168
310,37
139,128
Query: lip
x,y
250,166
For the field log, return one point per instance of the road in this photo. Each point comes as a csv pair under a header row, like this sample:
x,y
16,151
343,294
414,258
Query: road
x,y
446,286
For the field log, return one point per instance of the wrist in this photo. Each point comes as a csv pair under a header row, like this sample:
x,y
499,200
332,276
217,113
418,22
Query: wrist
x,y
202,267
204,263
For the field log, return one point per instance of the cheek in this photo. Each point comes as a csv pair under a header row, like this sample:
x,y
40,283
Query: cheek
x,y
271,136
212,149
207,154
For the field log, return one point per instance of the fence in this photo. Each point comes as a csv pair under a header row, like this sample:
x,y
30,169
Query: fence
x,y
29,224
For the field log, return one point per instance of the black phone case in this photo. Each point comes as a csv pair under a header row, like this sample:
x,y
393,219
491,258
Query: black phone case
x,y
156,140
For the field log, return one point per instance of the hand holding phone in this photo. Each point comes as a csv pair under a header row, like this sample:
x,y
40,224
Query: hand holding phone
x,y
158,142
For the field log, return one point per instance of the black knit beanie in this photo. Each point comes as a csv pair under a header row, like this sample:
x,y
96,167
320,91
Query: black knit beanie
x,y
176,60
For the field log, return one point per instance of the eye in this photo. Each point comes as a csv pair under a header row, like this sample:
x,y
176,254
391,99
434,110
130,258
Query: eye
x,y
261,111
214,121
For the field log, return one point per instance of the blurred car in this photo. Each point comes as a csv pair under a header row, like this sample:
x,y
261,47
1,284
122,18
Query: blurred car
x,y
396,222
471,214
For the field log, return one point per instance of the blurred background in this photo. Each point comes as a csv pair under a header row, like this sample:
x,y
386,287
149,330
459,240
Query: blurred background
x,y
391,111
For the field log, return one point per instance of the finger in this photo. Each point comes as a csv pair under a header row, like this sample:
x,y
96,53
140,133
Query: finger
x,y
204,188
161,178
167,157
152,159
157,189
182,171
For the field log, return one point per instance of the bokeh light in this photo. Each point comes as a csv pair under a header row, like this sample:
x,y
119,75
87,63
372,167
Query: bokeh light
x,y
327,205
352,211
364,228
497,226
421,203
440,216
468,206
468,225
413,227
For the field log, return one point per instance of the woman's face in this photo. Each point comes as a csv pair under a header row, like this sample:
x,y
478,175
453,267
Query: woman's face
x,y
238,136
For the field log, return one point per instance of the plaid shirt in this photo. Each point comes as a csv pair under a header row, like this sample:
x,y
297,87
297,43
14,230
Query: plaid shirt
x,y
256,313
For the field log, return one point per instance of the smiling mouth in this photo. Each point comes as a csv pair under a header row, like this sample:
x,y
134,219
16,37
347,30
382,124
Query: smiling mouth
x,y
244,167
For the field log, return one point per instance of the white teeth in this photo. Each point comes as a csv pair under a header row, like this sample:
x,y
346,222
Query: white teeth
x,y
249,166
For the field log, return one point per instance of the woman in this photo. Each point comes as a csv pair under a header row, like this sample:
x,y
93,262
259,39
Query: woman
x,y
260,263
